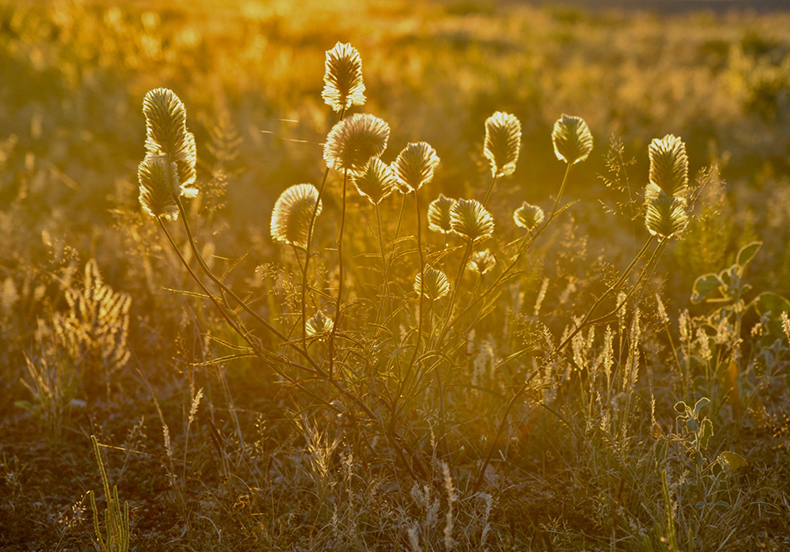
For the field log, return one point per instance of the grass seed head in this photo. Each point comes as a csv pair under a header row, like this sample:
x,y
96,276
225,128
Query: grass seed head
x,y
468,218
481,262
159,184
343,83
528,216
439,214
503,143
292,214
415,166
666,216
353,141
434,285
669,169
572,139
375,182
319,325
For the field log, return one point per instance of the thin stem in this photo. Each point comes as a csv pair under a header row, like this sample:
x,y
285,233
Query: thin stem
x,y
562,189
385,267
338,304
490,190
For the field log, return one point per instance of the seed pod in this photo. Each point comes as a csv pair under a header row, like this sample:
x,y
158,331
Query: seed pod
x,y
439,214
528,216
433,286
415,166
481,262
666,216
375,182
669,169
158,179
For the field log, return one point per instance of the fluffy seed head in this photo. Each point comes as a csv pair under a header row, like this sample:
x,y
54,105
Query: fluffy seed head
x,y
343,83
439,214
167,134
468,218
375,182
354,141
572,139
292,214
433,286
414,166
503,143
158,179
481,262
319,325
528,216
669,168
666,216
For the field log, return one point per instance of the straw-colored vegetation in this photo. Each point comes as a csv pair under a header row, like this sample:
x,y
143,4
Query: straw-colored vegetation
x,y
351,276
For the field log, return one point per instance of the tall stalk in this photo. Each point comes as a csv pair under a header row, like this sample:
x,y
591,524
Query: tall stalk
x,y
339,300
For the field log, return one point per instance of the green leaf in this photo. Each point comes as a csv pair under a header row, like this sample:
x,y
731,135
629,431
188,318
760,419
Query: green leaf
x,y
704,286
703,402
772,303
747,253
705,433
731,461
681,407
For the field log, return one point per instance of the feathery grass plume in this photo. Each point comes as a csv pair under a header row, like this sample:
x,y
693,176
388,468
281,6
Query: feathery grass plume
x,y
354,141
434,285
320,324
572,139
503,143
158,179
415,166
666,216
166,133
470,219
343,83
375,182
481,261
528,216
439,214
669,169
292,214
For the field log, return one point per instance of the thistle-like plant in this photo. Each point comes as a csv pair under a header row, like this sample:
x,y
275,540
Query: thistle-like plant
x,y
469,219
352,142
415,166
528,216
375,182
158,179
433,284
481,262
502,143
292,214
572,139
669,169
343,83
439,214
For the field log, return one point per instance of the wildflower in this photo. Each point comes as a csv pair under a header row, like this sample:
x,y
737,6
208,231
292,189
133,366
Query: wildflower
x,y
669,167
439,214
415,166
433,285
470,219
572,139
666,216
354,141
293,213
343,83
528,216
375,182
158,183
320,324
481,261
502,143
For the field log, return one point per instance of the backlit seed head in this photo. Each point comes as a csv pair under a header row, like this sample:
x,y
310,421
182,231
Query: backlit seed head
x,y
343,83
433,286
158,179
415,166
669,168
503,143
439,214
528,216
481,262
572,139
666,216
167,134
354,141
292,214
375,182
468,218
319,325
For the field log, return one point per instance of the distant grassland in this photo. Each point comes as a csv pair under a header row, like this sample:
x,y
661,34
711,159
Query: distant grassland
x,y
74,73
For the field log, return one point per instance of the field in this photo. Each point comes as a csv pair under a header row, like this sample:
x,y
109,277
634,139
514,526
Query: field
x,y
594,354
